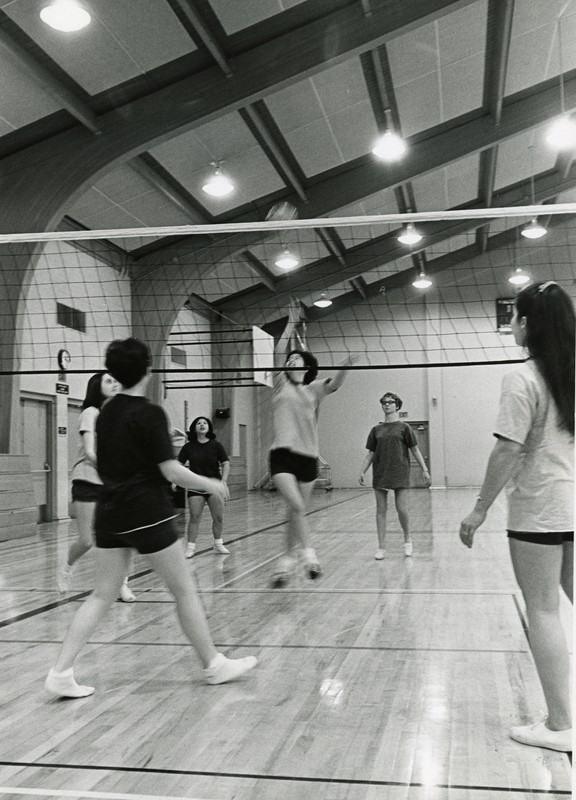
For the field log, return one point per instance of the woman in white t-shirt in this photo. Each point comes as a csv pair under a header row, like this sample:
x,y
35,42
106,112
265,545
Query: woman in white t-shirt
x,y
294,453
86,482
534,458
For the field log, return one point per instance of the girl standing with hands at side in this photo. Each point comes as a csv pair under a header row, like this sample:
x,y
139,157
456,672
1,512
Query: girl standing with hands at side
x,y
205,456
534,458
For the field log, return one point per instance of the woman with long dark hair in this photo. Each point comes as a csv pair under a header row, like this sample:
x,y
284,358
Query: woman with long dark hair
x,y
205,456
86,483
534,458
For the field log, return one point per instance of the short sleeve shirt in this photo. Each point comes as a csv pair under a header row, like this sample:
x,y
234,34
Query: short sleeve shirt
x,y
541,489
84,469
391,443
133,439
203,458
296,414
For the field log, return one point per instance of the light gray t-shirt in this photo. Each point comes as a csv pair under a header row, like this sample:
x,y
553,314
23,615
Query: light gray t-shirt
x,y
84,470
296,414
541,489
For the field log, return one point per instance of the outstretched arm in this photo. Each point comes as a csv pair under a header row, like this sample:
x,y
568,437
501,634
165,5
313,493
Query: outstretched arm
x,y
338,379
285,341
501,463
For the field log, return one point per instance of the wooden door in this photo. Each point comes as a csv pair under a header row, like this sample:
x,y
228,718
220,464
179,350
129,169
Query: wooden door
x,y
36,442
422,434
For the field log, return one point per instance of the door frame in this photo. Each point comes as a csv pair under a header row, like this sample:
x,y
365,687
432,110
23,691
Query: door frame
x,y
51,488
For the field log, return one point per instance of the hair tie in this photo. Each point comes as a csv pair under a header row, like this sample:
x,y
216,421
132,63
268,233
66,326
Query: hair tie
x,y
546,285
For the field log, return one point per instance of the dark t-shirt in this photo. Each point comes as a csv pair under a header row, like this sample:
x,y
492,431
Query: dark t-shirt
x,y
391,443
203,458
132,439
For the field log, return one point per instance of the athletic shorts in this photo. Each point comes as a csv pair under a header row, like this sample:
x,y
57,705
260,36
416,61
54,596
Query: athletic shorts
x,y
146,540
197,494
85,492
542,538
304,468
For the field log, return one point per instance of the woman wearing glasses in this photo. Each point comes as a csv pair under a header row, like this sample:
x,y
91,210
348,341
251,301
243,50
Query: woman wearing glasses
x,y
389,445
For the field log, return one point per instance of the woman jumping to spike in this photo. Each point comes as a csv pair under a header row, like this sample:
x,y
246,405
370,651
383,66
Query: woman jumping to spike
x,y
294,453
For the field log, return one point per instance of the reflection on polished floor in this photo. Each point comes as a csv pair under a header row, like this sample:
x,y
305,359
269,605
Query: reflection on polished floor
x,y
385,679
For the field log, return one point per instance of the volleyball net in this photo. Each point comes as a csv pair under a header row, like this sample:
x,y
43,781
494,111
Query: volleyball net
x,y
210,300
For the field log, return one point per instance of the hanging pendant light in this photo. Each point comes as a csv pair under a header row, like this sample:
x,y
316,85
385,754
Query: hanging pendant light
x,y
410,235
218,185
422,281
65,15
390,147
519,277
534,230
323,301
287,260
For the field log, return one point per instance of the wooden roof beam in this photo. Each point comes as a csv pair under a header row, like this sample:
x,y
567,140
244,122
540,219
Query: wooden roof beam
x,y
190,13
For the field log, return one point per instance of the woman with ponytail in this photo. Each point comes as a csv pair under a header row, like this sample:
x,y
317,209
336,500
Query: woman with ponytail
x,y
534,458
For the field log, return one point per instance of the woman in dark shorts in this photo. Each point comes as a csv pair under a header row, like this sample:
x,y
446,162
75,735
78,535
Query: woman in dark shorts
x,y
86,483
534,458
205,456
134,510
294,453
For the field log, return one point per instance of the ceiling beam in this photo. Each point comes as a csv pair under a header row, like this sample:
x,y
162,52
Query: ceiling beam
x,y
258,268
154,174
204,97
190,13
498,38
42,76
332,243
274,146
386,249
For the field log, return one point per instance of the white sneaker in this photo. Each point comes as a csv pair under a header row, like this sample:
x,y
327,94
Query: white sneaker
x,y
63,579
223,669
190,550
219,547
379,555
126,595
538,735
62,684
408,548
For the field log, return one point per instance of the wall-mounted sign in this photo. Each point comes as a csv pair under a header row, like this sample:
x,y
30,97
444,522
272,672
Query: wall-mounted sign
x,y
62,431
62,388
504,312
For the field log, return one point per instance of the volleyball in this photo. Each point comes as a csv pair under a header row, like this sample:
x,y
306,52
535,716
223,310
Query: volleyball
x,y
282,211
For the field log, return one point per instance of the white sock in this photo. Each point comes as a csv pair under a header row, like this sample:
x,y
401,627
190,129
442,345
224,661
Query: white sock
x,y
309,554
62,684
222,669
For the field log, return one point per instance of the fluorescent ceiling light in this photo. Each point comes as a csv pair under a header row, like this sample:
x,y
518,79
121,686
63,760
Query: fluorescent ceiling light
x,y
519,278
422,281
287,260
323,301
562,134
218,185
410,235
390,147
534,230
65,15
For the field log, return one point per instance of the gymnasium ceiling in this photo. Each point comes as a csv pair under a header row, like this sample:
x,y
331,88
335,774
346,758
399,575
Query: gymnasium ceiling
x,y
291,95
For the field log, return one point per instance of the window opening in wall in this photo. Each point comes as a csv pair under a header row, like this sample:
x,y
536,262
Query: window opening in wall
x,y
71,317
178,356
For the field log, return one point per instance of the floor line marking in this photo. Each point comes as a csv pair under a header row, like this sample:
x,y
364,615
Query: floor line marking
x,y
295,778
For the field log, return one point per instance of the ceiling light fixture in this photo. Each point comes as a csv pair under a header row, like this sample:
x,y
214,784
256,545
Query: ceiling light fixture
x,y
218,184
287,260
422,281
390,147
534,230
410,235
65,15
323,301
519,277
562,132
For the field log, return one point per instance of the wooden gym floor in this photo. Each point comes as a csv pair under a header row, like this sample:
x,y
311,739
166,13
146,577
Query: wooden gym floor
x,y
395,679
